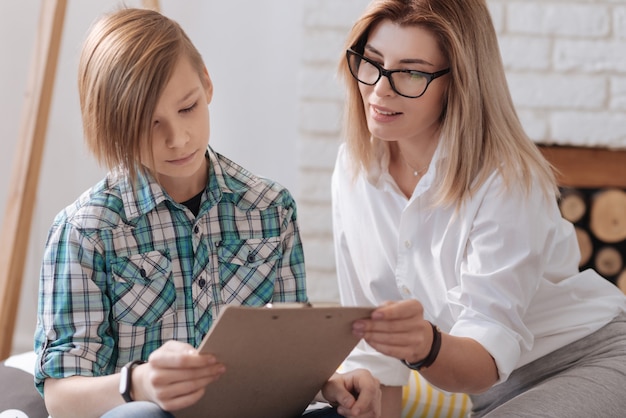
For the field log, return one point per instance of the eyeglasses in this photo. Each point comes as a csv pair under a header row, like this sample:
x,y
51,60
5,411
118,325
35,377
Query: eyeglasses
x,y
407,83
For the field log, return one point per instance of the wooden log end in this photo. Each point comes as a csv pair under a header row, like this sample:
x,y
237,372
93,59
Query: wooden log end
x,y
585,245
608,215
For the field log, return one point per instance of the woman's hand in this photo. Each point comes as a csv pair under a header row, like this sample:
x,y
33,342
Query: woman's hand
x,y
397,329
355,394
175,376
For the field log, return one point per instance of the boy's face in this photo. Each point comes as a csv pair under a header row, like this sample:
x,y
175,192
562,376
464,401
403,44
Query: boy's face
x,y
180,132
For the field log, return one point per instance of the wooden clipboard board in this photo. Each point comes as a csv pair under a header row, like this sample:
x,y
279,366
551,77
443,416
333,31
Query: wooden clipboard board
x,y
277,358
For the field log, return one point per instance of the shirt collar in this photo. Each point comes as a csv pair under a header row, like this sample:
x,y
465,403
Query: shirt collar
x,y
148,193
378,173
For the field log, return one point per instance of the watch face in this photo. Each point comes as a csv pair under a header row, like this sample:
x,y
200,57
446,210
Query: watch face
x,y
126,381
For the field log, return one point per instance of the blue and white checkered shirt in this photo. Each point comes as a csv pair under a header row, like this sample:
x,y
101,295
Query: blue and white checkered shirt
x,y
126,270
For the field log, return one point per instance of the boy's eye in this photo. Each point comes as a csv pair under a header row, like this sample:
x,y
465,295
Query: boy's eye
x,y
189,109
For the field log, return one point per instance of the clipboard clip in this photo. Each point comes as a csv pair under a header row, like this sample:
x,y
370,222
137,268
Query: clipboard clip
x,y
288,305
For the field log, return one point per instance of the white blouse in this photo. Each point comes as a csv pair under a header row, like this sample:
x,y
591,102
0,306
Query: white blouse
x,y
502,270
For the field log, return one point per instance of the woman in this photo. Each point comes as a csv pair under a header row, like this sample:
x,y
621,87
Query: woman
x,y
445,214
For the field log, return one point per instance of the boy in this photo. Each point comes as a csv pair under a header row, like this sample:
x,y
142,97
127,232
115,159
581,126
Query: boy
x,y
137,269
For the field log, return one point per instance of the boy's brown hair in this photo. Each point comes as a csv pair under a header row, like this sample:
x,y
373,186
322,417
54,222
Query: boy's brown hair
x,y
126,60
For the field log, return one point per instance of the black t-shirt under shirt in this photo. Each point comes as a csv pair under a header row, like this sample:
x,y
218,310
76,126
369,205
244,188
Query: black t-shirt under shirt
x,y
193,204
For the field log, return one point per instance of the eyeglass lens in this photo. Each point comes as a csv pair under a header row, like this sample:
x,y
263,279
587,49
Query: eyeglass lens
x,y
407,83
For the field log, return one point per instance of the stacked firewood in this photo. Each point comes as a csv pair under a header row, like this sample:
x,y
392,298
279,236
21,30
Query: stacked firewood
x,y
599,217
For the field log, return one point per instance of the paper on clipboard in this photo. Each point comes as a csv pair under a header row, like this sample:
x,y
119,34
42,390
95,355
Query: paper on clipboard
x,y
277,358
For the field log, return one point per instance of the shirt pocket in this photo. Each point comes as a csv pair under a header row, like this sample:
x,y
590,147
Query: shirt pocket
x,y
142,293
248,267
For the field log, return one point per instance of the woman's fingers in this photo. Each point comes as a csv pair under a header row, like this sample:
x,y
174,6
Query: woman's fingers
x,y
397,329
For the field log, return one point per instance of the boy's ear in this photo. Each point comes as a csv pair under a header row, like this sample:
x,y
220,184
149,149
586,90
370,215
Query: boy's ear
x,y
208,85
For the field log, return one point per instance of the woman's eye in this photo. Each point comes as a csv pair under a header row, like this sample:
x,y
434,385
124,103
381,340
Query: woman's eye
x,y
189,109
374,61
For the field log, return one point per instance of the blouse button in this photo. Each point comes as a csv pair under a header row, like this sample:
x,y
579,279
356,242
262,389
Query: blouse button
x,y
201,283
250,258
407,244
142,272
196,229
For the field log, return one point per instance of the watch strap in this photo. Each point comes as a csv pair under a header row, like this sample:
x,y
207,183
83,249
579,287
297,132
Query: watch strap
x,y
432,354
126,379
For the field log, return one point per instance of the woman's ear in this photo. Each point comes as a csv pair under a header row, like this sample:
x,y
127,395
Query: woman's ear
x,y
208,85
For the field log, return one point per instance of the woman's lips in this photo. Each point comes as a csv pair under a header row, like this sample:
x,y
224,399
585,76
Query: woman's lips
x,y
381,114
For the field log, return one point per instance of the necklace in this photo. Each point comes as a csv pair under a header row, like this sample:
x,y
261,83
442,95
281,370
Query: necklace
x,y
416,172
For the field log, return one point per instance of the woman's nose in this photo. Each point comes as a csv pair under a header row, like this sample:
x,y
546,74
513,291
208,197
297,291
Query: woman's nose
x,y
383,86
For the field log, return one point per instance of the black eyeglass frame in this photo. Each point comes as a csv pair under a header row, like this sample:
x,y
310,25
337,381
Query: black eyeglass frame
x,y
387,73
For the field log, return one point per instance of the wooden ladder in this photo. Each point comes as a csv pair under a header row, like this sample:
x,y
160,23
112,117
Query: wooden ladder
x,y
16,226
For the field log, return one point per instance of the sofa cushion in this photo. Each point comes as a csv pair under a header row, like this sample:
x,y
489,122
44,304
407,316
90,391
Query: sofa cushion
x,y
422,400
18,396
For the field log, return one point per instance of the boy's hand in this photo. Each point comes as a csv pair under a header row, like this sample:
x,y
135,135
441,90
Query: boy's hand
x,y
355,394
175,376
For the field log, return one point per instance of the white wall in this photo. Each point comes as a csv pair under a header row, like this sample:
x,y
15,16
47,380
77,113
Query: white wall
x,y
251,49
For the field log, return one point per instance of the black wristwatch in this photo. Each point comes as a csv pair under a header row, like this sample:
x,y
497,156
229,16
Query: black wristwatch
x,y
432,354
126,381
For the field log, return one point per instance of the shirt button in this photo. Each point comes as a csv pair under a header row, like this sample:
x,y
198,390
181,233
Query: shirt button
x,y
406,290
196,229
142,272
407,244
250,258
201,283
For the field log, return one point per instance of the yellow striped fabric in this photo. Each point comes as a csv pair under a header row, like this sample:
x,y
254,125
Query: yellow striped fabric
x,y
421,400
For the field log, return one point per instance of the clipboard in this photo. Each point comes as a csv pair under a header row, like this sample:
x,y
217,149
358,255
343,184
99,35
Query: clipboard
x,y
277,358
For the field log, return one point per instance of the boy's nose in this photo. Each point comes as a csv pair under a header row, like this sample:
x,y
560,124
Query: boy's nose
x,y
177,137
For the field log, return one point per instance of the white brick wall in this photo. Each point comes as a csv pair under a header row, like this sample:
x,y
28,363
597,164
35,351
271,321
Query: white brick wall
x,y
566,67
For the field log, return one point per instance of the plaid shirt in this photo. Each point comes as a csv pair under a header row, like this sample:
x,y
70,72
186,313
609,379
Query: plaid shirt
x,y
126,270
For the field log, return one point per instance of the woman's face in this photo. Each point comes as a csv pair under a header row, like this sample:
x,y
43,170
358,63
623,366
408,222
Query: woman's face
x,y
391,117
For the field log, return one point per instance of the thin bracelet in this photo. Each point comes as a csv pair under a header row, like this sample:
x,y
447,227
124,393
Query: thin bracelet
x,y
432,354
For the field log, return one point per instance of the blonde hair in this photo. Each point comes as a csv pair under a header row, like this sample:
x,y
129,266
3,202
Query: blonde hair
x,y
480,129
126,60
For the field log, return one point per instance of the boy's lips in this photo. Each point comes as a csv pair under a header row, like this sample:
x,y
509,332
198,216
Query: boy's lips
x,y
183,159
